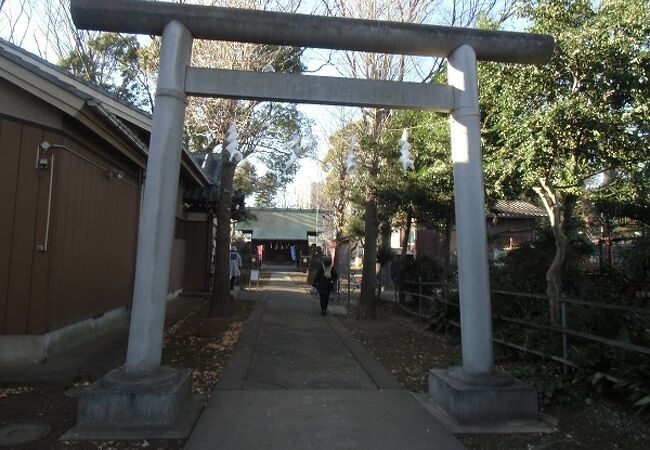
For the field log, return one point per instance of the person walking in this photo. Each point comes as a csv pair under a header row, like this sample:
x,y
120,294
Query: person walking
x,y
324,282
235,266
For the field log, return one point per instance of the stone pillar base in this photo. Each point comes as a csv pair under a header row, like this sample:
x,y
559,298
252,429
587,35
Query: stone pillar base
x,y
477,400
121,405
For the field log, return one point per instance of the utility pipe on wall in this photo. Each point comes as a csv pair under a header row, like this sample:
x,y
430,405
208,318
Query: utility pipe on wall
x,y
42,163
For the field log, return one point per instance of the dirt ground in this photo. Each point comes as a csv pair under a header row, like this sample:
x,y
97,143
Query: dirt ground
x,y
585,420
193,341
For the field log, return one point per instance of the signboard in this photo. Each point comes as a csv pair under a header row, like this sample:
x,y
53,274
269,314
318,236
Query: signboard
x,y
255,275
343,258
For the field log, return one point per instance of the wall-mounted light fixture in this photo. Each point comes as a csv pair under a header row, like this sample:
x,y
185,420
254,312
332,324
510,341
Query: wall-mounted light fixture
x,y
42,162
114,174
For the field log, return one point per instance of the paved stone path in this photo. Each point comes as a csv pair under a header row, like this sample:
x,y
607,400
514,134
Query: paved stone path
x,y
298,380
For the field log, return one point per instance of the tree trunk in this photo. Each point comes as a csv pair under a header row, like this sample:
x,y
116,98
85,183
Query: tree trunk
x,y
384,245
446,263
369,282
608,240
367,303
402,258
446,268
209,279
554,273
219,303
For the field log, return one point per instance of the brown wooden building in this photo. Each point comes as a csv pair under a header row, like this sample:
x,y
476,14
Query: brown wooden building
x,y
509,223
72,165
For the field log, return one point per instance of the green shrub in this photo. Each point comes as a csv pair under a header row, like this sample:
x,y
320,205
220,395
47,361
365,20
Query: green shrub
x,y
635,259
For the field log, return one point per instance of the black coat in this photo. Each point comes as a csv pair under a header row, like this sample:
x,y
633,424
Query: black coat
x,y
322,284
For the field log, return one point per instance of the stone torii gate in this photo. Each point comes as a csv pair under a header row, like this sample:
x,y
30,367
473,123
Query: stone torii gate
x,y
144,393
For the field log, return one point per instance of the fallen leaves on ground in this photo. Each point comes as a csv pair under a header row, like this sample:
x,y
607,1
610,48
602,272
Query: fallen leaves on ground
x,y
408,349
189,346
15,391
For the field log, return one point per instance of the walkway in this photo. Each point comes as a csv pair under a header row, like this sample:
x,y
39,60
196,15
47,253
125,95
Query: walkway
x,y
298,380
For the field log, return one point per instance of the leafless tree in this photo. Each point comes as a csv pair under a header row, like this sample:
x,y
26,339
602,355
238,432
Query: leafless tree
x,y
52,31
208,120
14,20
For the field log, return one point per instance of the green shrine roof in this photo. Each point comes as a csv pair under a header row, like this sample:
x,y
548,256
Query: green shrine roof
x,y
283,223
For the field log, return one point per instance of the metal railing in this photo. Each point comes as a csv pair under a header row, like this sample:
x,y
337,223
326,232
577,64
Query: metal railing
x,y
440,288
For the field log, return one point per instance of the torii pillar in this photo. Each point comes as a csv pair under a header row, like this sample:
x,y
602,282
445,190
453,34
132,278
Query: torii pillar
x,y
474,393
143,397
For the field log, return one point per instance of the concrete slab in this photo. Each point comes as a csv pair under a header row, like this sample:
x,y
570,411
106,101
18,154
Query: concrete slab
x,y
318,419
22,433
234,374
298,380
118,400
178,431
287,344
473,404
542,424
297,349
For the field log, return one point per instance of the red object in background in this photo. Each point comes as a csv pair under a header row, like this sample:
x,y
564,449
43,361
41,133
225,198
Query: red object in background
x,y
333,250
260,252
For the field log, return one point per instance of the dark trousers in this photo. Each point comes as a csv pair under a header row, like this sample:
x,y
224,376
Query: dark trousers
x,y
324,300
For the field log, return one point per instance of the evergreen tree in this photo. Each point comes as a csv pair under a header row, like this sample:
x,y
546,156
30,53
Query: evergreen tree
x,y
552,129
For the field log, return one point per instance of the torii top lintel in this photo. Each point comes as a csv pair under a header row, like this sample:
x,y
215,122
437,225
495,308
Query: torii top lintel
x,y
301,30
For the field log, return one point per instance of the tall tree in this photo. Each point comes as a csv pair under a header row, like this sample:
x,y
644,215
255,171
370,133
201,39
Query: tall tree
x,y
246,178
397,68
373,121
267,186
112,62
265,129
550,129
340,190
425,195
263,188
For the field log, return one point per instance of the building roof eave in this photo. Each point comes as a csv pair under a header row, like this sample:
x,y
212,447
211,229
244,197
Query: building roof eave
x,y
74,97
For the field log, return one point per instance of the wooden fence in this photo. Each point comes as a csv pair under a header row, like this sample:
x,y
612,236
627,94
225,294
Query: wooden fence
x,y
441,296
